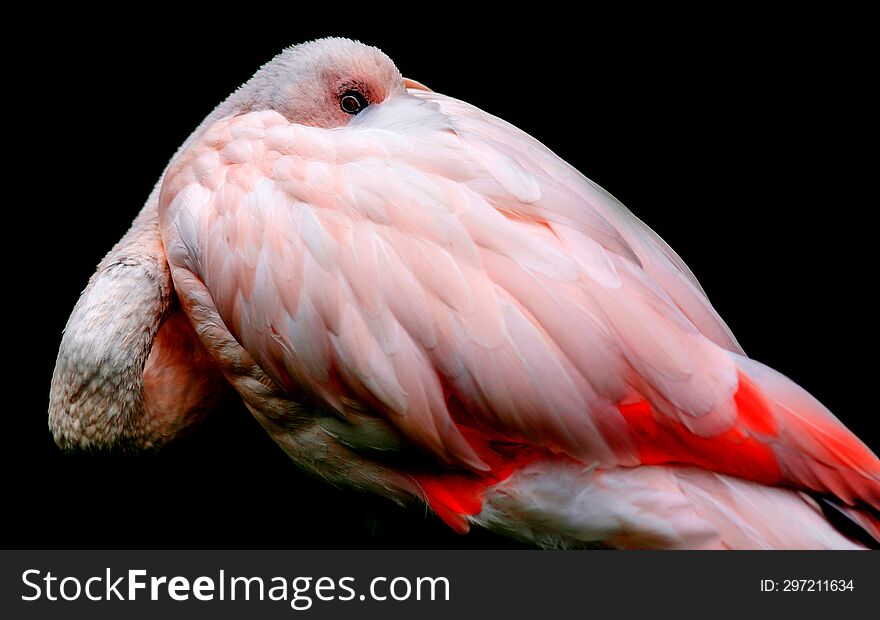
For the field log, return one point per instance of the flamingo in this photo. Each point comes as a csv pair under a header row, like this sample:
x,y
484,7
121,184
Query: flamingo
x,y
416,299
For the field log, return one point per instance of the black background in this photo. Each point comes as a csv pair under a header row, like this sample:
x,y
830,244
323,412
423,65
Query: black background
x,y
741,139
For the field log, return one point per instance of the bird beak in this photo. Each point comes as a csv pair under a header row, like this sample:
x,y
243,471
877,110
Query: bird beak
x,y
412,84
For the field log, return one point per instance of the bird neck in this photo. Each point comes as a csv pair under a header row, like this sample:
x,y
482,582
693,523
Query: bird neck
x,y
97,393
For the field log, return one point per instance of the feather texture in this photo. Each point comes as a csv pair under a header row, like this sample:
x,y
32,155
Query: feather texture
x,y
432,268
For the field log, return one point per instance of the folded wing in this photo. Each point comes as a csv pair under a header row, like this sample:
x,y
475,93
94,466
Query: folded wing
x,y
437,268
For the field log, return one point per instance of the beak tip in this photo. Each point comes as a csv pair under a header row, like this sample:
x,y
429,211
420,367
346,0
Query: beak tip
x,y
414,85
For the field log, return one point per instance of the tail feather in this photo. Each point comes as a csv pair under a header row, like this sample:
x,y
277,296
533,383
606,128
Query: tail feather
x,y
560,504
815,450
861,525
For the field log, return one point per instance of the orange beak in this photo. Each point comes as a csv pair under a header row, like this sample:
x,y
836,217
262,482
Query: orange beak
x,y
412,84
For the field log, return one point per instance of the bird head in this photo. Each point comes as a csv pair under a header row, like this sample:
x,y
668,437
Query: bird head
x,y
323,83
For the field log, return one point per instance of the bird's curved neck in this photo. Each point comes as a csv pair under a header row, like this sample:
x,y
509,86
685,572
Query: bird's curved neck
x,y
97,392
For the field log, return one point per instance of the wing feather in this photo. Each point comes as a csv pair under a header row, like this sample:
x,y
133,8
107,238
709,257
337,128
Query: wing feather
x,y
431,253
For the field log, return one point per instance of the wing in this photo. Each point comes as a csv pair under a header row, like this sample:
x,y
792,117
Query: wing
x,y
438,268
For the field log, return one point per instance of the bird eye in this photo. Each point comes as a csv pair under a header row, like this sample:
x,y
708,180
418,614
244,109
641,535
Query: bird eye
x,y
352,102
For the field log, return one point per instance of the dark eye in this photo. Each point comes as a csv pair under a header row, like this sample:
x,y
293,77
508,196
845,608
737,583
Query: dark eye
x,y
352,102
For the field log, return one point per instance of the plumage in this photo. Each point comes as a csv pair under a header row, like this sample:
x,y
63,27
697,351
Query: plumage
x,y
426,280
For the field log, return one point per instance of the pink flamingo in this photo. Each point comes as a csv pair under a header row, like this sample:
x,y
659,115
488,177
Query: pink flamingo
x,y
416,299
